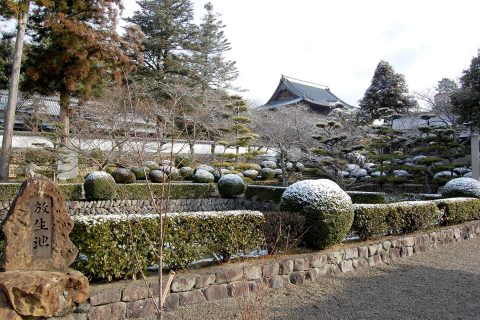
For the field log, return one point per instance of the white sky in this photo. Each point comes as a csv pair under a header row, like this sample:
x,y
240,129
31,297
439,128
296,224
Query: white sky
x,y
340,42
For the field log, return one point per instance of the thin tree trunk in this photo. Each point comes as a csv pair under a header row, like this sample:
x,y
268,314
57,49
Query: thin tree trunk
x,y
212,150
12,97
475,152
65,112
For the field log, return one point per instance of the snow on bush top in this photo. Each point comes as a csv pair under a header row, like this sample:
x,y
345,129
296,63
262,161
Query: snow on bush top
x,y
250,173
462,187
400,173
95,219
99,175
359,173
231,179
444,174
352,167
204,167
268,164
313,195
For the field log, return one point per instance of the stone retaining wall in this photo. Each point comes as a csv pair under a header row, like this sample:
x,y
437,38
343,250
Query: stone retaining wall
x,y
78,208
132,300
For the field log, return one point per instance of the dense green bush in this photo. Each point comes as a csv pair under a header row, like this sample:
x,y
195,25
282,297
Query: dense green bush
x,y
39,156
203,176
100,185
376,220
186,172
367,197
111,247
71,191
462,187
267,173
327,209
458,210
264,193
141,173
283,230
123,175
231,186
139,191
183,160
158,176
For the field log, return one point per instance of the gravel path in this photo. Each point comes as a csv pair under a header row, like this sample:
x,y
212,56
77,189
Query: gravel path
x,y
442,283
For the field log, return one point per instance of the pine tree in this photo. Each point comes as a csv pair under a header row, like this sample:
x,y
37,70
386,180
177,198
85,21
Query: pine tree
x,y
75,50
387,90
210,68
6,55
167,25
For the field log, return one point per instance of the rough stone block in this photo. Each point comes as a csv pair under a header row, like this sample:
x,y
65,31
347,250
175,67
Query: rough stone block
x,y
238,288
270,270
105,297
216,292
181,284
324,269
396,243
346,266
133,293
318,260
351,253
456,234
297,277
300,265
335,257
374,260
171,302
334,269
363,252
229,276
191,297
253,272
387,245
286,267
279,281
372,250
204,280
312,274
359,263
141,308
115,310
408,242
420,248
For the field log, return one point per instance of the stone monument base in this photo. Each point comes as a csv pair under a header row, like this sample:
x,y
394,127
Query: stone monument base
x,y
41,293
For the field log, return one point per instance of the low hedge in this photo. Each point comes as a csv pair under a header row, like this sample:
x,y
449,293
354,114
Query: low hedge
x,y
139,191
113,247
71,191
458,210
376,220
367,197
264,193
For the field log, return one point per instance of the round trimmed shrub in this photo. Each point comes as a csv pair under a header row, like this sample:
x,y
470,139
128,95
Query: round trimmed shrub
x,y
186,172
252,174
299,166
157,176
204,167
171,171
461,187
123,175
268,164
203,176
231,186
100,185
141,173
267,173
255,166
327,209
217,174
182,160
166,163
278,172
150,164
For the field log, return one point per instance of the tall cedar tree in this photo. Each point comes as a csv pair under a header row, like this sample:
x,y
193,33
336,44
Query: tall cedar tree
x,y
168,29
75,49
210,68
466,100
387,90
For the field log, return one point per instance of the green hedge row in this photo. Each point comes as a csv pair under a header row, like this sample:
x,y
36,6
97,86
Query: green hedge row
x,y
71,191
373,221
458,210
264,193
367,197
112,247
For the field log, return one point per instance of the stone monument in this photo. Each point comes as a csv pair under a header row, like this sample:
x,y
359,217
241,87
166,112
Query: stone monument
x,y
37,252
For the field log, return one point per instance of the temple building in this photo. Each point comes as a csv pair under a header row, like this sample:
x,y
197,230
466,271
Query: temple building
x,y
291,91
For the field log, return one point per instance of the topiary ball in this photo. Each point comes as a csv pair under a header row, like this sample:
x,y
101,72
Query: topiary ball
x,y
205,167
157,176
231,186
327,209
252,174
141,173
170,171
217,174
267,173
268,164
461,187
182,160
123,175
185,172
203,176
100,185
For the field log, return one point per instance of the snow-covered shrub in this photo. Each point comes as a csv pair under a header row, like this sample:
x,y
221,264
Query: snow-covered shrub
x,y
152,165
158,176
360,173
123,175
370,166
343,174
170,170
458,210
183,160
267,173
400,173
418,159
205,167
141,173
231,186
268,164
203,176
378,174
252,174
327,209
468,175
461,171
442,177
255,166
462,187
352,168
217,174
299,166
100,185
166,163
185,172
278,173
